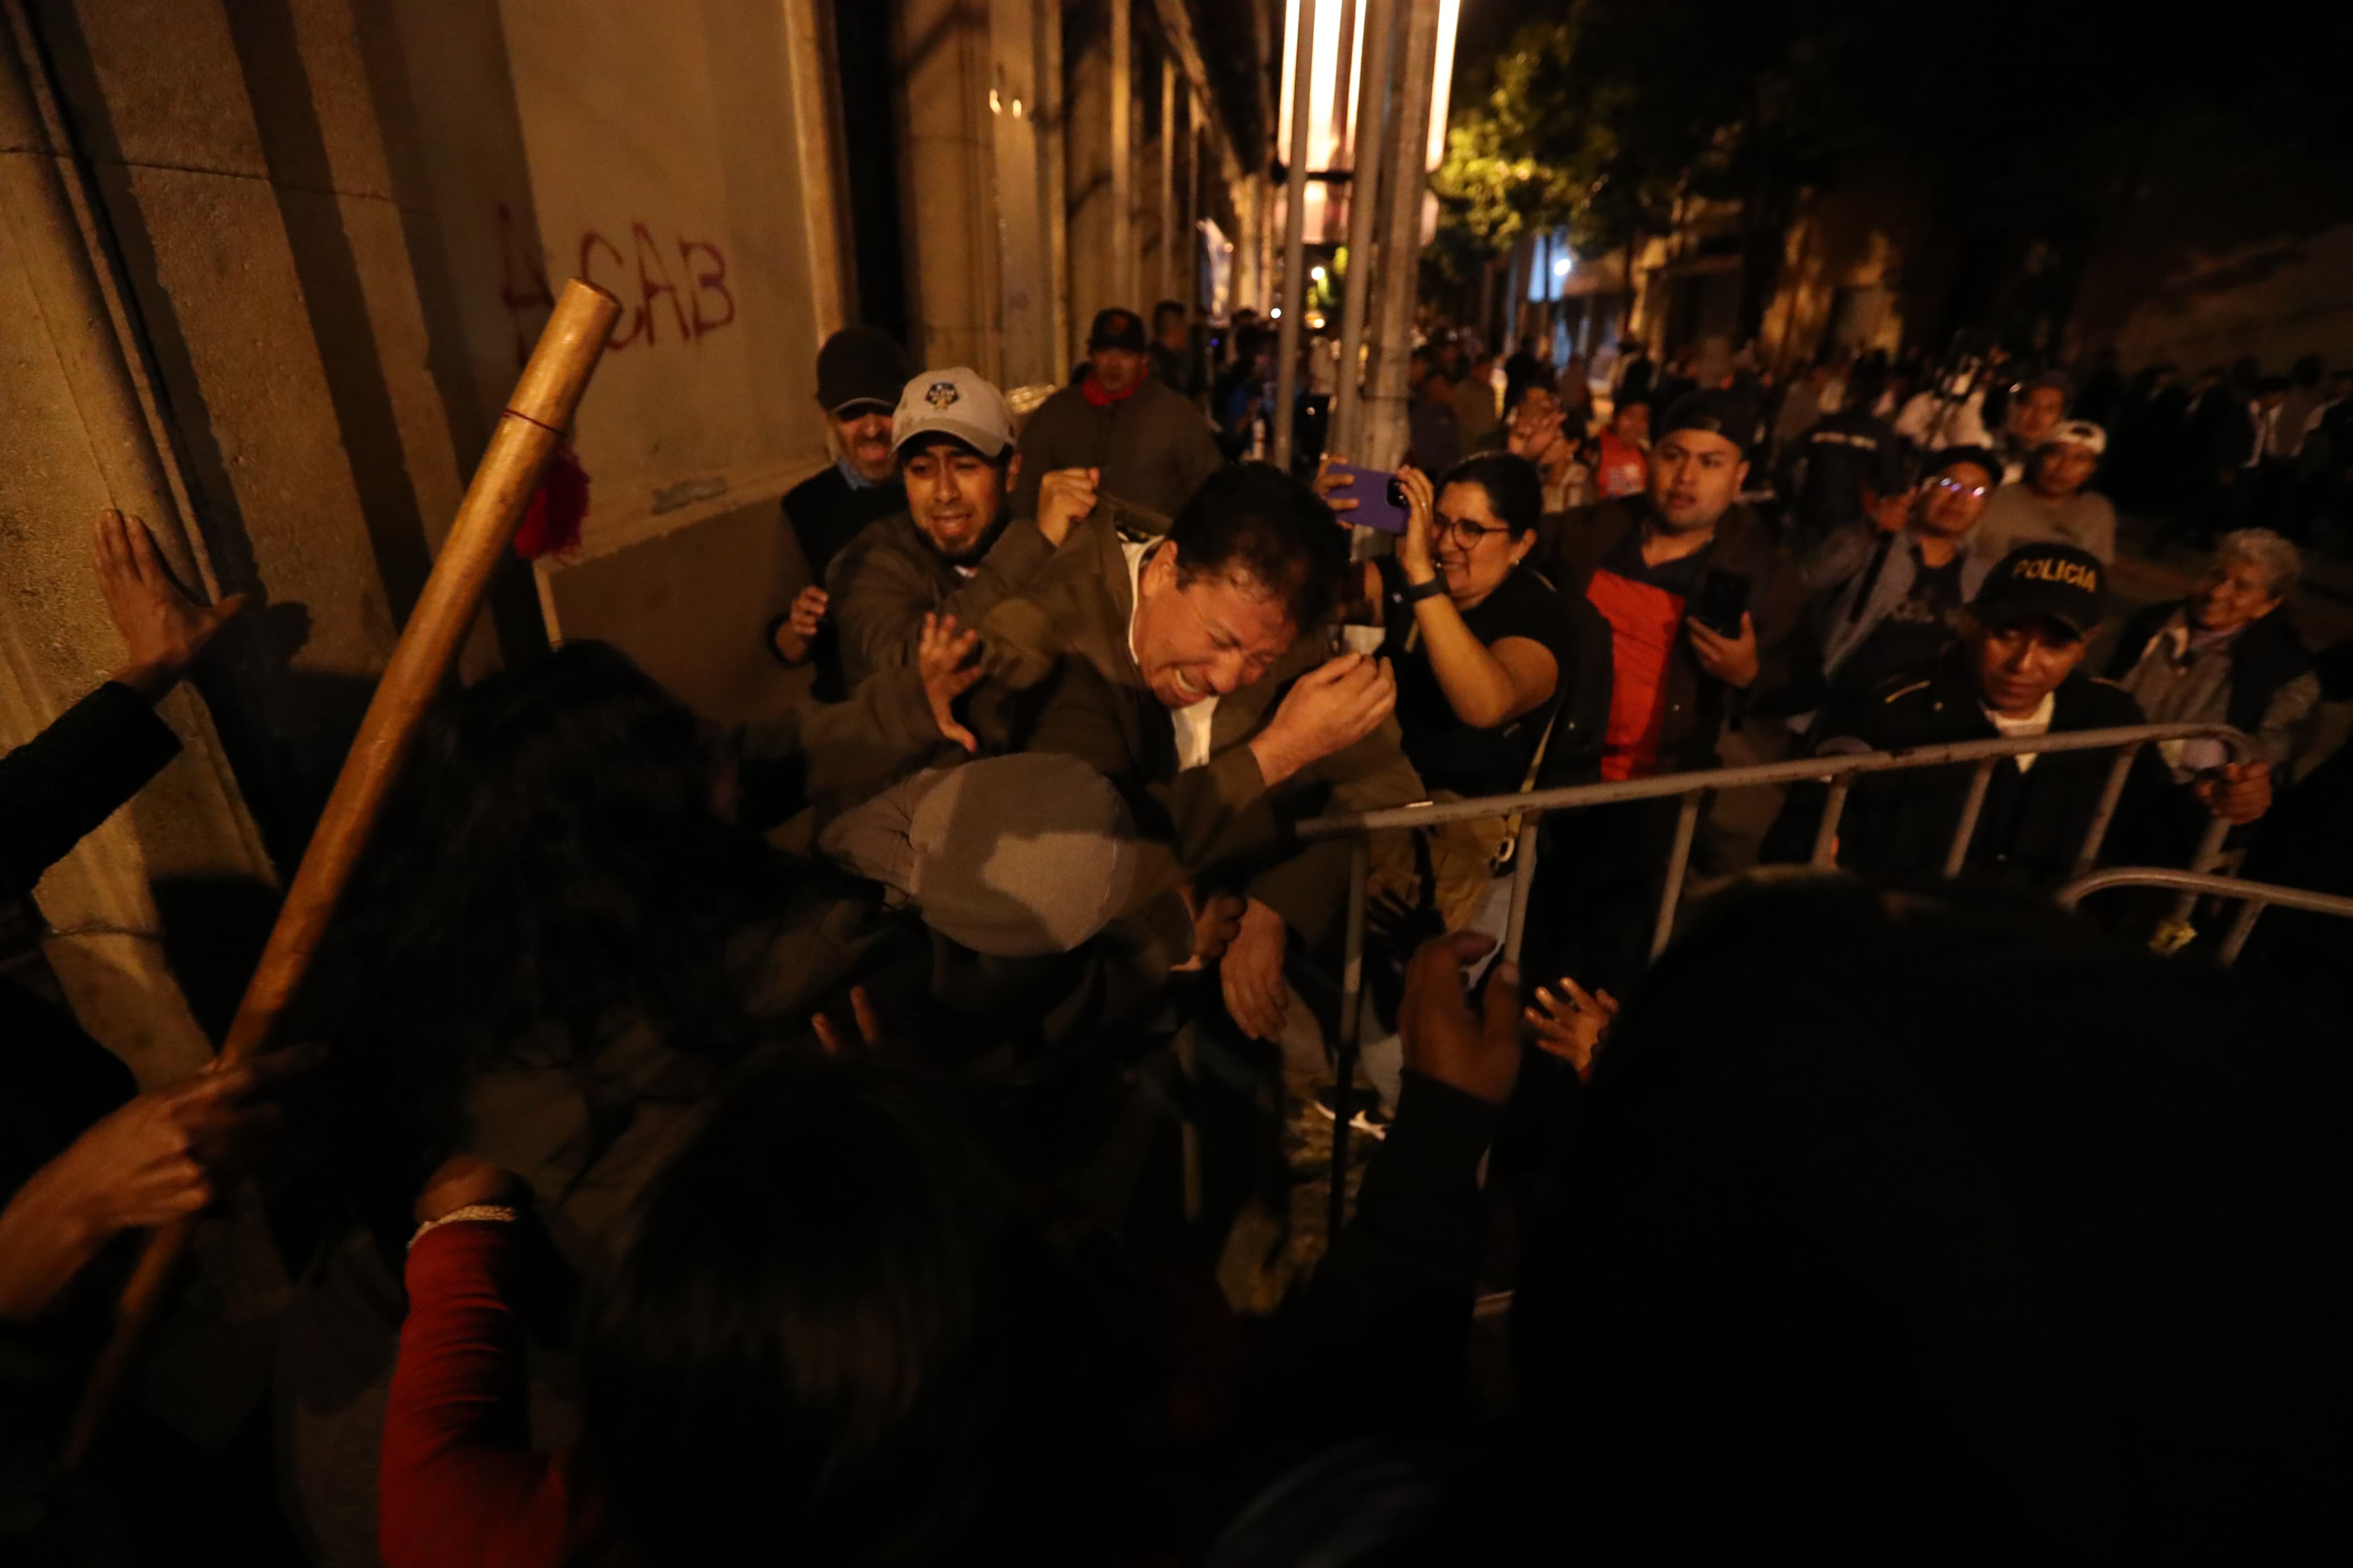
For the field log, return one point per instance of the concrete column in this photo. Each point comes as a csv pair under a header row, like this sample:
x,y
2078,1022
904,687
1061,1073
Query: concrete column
x,y
1030,349
1095,187
948,167
1051,178
1385,438
218,419
1122,153
1172,239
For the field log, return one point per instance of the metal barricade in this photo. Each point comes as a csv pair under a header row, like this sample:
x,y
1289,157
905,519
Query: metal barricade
x,y
2254,898
1838,772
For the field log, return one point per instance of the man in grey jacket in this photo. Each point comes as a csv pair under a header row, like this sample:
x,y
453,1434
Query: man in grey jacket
x,y
1884,588
1150,445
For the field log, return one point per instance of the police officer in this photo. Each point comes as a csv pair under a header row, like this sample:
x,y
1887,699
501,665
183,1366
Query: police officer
x,y
2014,673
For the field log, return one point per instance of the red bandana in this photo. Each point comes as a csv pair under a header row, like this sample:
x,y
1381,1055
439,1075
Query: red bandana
x,y
1102,397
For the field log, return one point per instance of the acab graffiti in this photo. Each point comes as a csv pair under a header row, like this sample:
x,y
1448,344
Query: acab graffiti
x,y
661,302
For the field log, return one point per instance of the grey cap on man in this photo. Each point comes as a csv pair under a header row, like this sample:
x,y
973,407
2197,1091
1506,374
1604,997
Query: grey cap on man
x,y
958,401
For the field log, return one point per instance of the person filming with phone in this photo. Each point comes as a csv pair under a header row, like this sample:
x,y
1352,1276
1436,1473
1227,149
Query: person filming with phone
x,y
1482,643
1685,575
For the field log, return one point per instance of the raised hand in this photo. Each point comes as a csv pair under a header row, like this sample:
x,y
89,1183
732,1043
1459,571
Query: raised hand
x,y
1328,481
1328,710
1534,432
1064,496
167,1154
1443,1040
1575,1025
943,660
861,1008
1417,547
162,626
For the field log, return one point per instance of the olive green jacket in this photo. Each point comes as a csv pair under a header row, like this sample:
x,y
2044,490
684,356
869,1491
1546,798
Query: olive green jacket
x,y
1062,677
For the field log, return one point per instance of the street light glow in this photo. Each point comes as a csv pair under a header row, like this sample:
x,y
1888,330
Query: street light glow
x,y
1560,268
1317,273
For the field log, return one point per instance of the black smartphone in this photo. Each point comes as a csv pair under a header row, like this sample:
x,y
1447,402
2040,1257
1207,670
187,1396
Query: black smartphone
x,y
1722,600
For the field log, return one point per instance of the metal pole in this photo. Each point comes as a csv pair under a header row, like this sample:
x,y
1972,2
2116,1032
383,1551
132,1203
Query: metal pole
x,y
1364,209
1678,862
2240,929
1826,831
1294,236
1523,878
1381,440
2177,929
1344,1067
2112,792
1971,809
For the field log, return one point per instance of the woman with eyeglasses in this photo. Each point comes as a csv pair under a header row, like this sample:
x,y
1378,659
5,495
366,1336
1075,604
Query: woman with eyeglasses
x,y
1479,644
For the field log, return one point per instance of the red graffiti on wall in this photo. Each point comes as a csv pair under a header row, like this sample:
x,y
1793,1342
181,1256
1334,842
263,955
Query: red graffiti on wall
x,y
643,283
691,298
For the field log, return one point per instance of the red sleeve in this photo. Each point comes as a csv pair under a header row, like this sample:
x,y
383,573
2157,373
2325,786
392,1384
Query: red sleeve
x,y
459,1484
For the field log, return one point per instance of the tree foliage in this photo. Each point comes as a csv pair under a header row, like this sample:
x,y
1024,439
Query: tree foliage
x,y
2013,112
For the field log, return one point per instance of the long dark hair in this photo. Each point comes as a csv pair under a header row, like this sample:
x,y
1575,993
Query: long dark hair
x,y
830,1336
549,868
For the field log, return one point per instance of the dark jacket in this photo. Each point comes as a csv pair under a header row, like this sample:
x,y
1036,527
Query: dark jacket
x,y
54,789
1571,544
1153,446
825,512
1901,823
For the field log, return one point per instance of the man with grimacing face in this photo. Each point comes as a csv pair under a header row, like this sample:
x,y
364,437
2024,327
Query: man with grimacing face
x,y
1192,671
962,546
2014,672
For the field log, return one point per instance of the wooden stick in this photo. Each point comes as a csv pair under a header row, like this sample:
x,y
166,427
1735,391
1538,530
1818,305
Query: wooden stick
x,y
527,435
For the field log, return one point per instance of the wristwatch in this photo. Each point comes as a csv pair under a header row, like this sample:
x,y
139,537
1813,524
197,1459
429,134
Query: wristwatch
x,y
1415,592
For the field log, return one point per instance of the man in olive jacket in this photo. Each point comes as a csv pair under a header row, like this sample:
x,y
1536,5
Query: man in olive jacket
x,y
1189,671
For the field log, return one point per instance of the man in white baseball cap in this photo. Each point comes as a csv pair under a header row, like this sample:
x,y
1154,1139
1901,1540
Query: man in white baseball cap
x,y
2050,505
958,548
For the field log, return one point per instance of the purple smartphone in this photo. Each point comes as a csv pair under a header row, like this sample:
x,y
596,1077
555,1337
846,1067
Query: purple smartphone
x,y
1380,503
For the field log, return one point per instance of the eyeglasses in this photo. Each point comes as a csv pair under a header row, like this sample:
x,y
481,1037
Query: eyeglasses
x,y
1954,487
1467,533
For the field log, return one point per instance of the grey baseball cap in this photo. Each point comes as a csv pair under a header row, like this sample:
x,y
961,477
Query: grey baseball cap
x,y
958,401
1018,855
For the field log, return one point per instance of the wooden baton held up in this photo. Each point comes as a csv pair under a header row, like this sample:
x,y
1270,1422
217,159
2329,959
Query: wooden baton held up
x,y
527,436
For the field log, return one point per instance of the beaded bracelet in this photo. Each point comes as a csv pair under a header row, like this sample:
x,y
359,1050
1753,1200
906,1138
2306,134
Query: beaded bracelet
x,y
499,1214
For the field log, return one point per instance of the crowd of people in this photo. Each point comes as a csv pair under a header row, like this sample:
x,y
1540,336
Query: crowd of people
x,y
696,1147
